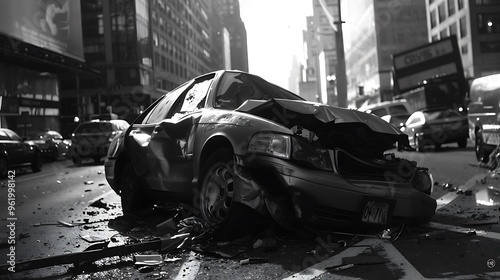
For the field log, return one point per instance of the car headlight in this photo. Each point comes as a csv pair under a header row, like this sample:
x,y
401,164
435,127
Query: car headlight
x,y
423,181
312,155
272,144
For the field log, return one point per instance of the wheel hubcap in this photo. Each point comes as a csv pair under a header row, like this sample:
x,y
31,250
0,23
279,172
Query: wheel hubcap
x,y
217,193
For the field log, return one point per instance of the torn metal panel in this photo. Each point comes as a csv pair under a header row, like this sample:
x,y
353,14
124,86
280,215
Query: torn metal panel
x,y
162,244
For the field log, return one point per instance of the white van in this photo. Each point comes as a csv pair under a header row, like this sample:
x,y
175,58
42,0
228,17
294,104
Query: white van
x,y
394,112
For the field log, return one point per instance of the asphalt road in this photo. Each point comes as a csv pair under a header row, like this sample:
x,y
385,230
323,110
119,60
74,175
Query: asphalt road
x,y
66,209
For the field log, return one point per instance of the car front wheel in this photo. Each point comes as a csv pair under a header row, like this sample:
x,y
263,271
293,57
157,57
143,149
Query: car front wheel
x,y
462,143
37,163
3,167
480,148
216,189
132,198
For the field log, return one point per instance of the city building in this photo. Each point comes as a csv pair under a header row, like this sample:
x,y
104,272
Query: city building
x,y
373,31
230,10
476,24
39,42
318,83
143,49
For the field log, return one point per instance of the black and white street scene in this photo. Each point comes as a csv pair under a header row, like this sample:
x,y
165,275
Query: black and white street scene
x,y
249,139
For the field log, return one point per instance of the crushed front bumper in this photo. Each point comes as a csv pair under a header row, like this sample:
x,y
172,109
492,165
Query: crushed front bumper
x,y
290,192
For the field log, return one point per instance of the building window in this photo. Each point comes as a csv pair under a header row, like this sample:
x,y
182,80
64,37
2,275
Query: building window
x,y
433,19
157,59
463,27
443,33
441,12
155,39
465,49
460,4
453,29
451,7
488,23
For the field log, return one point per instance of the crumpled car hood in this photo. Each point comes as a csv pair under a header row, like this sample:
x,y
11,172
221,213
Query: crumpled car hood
x,y
315,115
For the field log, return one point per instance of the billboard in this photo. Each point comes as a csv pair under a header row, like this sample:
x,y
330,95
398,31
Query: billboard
x,y
433,60
54,25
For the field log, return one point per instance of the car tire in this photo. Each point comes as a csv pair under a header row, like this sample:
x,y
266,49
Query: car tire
x,y
437,146
462,143
4,167
77,160
419,145
227,220
132,197
54,154
37,163
479,147
216,188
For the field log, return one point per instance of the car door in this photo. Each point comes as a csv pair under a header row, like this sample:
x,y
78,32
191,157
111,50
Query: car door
x,y
18,150
159,143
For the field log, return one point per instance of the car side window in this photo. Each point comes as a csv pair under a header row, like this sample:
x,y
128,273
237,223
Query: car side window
x,y
194,98
57,136
398,109
3,135
379,112
159,112
13,136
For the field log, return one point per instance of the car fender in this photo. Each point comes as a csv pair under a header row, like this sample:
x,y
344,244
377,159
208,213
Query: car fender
x,y
229,128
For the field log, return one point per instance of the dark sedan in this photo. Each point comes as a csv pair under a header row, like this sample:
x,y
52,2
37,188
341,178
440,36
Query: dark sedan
x,y
430,128
51,144
16,153
229,139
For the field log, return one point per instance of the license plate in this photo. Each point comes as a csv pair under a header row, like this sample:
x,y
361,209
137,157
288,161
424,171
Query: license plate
x,y
375,212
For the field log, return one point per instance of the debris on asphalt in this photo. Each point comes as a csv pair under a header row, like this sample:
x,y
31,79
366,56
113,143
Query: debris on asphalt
x,y
66,224
267,244
148,259
168,224
481,219
145,269
99,204
340,268
162,244
92,238
253,261
447,185
173,259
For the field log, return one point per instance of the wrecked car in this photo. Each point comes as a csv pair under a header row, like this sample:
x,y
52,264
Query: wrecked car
x,y
229,139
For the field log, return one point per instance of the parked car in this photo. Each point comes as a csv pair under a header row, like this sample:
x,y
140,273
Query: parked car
x,y
16,153
230,140
394,112
428,129
51,144
484,118
91,139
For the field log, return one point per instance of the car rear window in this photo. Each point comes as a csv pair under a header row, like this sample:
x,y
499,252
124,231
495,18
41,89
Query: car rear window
x,y
94,127
397,109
